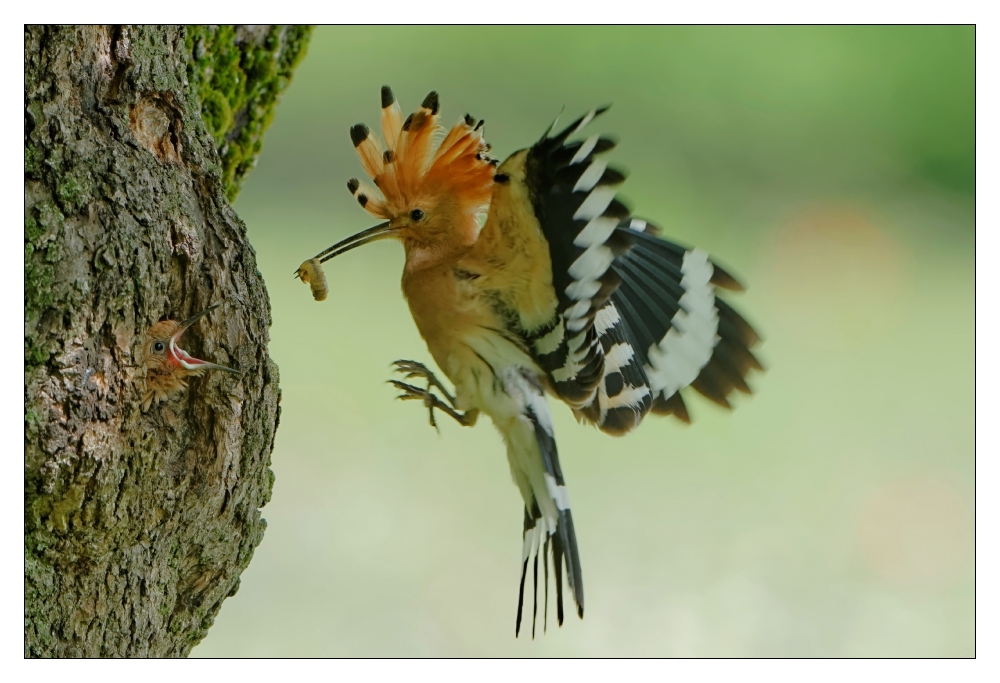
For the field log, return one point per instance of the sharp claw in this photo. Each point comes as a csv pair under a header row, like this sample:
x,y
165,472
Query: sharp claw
x,y
403,386
413,369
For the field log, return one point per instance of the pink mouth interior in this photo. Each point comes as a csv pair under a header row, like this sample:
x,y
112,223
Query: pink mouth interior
x,y
186,359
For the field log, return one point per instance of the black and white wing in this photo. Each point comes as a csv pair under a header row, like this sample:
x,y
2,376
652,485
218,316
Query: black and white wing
x,y
683,333
638,318
573,196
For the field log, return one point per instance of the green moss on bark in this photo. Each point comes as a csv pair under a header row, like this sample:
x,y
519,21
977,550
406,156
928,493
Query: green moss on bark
x,y
238,75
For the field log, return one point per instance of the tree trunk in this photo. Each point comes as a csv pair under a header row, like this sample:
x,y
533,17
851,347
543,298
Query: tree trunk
x,y
138,523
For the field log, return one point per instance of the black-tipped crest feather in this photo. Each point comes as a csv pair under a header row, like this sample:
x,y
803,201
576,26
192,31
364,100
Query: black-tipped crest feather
x,y
431,102
387,97
359,132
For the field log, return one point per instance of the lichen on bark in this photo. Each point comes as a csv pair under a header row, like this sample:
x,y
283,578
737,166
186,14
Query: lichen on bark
x,y
139,523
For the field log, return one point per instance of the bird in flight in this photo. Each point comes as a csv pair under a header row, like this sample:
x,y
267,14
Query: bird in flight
x,y
531,278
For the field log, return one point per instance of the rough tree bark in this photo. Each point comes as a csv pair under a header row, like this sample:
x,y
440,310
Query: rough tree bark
x,y
138,523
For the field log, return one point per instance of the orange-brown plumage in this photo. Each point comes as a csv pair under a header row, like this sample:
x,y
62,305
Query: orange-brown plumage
x,y
167,365
448,184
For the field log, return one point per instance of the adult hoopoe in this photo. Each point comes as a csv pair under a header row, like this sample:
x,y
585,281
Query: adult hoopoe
x,y
559,291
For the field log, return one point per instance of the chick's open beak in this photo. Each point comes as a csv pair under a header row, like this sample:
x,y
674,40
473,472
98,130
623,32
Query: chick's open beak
x,y
189,362
186,360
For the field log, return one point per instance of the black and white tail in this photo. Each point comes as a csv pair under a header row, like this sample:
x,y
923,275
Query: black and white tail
x,y
548,521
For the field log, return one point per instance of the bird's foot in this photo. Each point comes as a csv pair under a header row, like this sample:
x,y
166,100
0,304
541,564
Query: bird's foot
x,y
411,369
431,401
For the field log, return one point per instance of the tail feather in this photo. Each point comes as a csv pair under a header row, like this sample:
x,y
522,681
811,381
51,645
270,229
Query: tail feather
x,y
564,532
520,599
548,521
545,563
565,552
534,613
531,534
573,574
557,561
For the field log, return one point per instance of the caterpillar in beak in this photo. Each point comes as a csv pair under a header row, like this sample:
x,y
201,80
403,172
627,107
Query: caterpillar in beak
x,y
311,272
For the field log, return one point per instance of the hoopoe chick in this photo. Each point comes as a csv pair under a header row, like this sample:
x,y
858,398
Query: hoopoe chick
x,y
167,364
560,292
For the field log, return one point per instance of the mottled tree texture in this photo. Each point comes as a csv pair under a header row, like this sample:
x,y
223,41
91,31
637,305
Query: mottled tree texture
x,y
138,523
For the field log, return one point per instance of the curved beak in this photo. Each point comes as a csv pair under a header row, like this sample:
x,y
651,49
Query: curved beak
x,y
187,361
193,319
379,232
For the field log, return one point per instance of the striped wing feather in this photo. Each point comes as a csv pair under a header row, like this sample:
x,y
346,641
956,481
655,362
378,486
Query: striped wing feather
x,y
686,334
638,317
572,193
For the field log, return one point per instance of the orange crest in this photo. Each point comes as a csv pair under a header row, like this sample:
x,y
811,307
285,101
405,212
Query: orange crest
x,y
408,169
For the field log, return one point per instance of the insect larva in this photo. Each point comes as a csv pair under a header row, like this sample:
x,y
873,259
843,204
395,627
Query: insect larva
x,y
311,272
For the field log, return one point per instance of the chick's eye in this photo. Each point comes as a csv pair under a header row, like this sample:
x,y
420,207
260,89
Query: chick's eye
x,y
416,214
158,347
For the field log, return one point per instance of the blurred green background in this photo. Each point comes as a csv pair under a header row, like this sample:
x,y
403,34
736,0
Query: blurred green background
x,y
831,169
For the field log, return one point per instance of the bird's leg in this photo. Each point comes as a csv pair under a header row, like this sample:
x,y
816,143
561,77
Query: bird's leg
x,y
431,400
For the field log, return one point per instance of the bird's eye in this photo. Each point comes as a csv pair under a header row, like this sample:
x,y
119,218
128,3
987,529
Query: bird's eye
x,y
158,347
416,214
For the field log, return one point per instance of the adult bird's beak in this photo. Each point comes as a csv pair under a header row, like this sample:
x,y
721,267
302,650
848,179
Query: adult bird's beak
x,y
187,361
379,232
